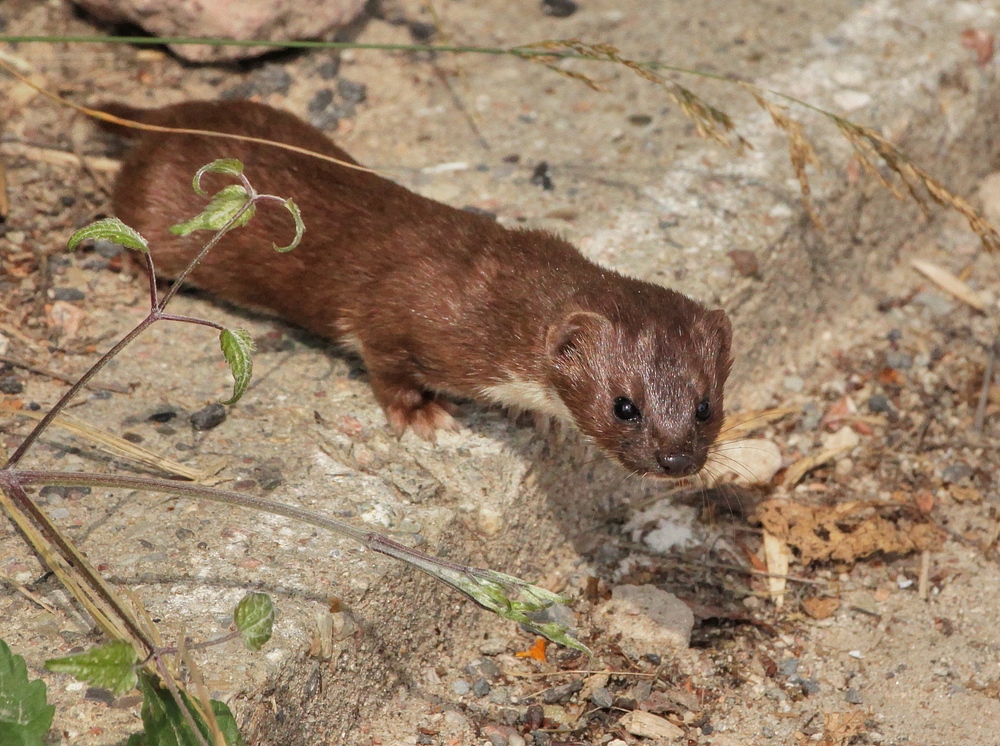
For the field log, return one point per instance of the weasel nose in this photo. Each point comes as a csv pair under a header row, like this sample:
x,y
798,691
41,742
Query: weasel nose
x,y
676,464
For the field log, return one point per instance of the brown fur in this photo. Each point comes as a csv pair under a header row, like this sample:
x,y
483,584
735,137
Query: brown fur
x,y
438,300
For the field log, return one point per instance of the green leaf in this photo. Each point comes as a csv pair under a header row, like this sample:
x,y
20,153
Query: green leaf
x,y
110,666
237,348
110,229
165,724
228,166
25,717
254,618
223,208
300,227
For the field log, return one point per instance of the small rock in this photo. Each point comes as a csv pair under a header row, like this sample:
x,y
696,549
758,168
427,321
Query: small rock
x,y
494,646
898,360
788,666
853,696
878,404
640,120
320,101
516,740
809,686
107,249
752,461
745,262
602,697
352,92
647,725
67,294
794,384
541,177
268,474
499,695
328,69
950,474
421,32
481,688
851,100
461,687
10,384
559,694
132,437
559,8
484,667
249,19
811,416
208,417
648,618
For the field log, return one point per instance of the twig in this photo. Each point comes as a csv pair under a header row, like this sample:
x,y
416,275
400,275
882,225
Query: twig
x,y
924,583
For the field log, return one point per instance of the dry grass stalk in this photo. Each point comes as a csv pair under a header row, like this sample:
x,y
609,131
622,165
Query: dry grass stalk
x,y
800,150
871,148
711,123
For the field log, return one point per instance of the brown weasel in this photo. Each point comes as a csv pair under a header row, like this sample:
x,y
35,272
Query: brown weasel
x,y
435,299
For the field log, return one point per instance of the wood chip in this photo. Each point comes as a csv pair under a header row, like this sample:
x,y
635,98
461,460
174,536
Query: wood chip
x,y
776,554
647,725
949,283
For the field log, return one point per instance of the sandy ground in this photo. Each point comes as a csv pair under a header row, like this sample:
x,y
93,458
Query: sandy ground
x,y
877,640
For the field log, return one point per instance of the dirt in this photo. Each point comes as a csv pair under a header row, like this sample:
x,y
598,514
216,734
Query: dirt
x,y
885,632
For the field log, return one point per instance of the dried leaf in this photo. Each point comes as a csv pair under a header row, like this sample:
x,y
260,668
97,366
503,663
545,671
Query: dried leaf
x,y
845,532
820,607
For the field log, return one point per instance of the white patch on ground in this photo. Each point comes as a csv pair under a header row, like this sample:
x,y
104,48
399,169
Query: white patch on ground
x,y
664,526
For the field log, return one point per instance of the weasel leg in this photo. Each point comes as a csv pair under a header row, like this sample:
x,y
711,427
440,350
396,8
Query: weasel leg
x,y
407,405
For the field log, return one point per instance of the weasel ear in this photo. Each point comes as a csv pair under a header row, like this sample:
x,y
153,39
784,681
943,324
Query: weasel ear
x,y
565,336
716,326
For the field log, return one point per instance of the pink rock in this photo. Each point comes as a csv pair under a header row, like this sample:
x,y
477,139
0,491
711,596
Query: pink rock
x,y
247,19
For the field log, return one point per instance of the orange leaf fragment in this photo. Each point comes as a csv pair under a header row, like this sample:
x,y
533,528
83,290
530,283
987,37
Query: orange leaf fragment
x,y
537,651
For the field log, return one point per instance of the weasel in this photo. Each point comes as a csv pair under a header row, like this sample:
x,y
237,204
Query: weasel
x,y
438,301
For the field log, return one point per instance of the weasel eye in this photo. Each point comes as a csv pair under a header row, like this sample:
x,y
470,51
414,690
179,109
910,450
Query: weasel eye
x,y
626,410
704,411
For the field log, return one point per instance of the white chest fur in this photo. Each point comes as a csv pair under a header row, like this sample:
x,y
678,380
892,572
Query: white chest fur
x,y
528,396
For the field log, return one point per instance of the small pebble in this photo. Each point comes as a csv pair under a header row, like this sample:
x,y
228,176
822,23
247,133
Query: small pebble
x,y
461,687
272,79
329,68
67,294
132,437
67,200
208,417
351,91
494,646
107,249
541,177
878,404
768,732
640,120
320,100
497,739
788,666
853,696
794,384
421,32
560,694
11,385
602,697
481,688
898,360
809,686
559,8
268,474
956,473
